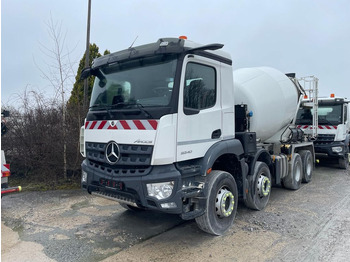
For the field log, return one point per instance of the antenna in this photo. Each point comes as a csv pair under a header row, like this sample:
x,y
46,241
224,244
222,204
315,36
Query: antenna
x,y
133,42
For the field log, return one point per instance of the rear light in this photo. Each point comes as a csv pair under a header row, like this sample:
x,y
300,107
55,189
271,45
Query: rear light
x,y
5,174
5,170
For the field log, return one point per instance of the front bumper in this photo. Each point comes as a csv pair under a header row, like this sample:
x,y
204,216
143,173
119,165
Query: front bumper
x,y
132,190
326,149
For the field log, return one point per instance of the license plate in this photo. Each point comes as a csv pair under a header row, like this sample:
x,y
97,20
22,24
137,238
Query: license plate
x,y
111,183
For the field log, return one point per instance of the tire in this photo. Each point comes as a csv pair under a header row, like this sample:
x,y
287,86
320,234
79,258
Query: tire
x,y
259,187
308,165
344,162
295,175
131,208
221,204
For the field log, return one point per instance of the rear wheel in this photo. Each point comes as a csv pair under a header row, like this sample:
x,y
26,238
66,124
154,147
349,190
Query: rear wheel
x,y
259,187
221,205
308,165
295,175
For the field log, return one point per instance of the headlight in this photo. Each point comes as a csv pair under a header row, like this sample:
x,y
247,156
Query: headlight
x,y
84,177
160,190
337,149
81,141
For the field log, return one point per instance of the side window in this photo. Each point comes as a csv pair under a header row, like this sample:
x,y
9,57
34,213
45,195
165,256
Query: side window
x,y
345,113
200,86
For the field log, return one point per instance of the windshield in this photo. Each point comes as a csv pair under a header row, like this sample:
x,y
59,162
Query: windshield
x,y
143,82
327,115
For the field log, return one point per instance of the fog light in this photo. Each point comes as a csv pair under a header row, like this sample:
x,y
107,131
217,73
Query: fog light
x,y
160,190
337,149
84,177
168,205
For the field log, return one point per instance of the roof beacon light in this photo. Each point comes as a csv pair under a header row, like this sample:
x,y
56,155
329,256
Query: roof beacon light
x,y
305,96
183,37
332,95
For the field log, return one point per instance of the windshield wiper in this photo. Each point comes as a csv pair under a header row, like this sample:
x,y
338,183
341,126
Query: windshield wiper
x,y
138,105
141,107
99,106
325,121
122,105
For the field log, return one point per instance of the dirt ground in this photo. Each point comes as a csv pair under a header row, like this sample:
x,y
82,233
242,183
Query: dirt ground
x,y
311,224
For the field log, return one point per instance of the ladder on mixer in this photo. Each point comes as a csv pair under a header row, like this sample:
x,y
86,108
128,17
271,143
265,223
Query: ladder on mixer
x,y
310,86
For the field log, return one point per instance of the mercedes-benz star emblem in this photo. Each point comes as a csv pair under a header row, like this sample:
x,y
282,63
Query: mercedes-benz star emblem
x,y
112,153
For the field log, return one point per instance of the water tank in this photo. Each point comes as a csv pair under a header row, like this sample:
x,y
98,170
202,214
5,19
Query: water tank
x,y
270,95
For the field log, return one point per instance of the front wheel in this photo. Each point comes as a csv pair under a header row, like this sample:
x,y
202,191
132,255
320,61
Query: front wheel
x,y
344,162
221,205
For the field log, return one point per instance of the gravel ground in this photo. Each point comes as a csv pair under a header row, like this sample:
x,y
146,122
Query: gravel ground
x,y
311,224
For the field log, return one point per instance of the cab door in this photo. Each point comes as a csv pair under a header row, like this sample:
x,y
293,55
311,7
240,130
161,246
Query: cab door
x,y
199,113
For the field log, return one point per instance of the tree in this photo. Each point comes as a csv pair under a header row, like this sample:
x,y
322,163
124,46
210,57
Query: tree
x,y
77,94
43,130
32,145
59,73
76,111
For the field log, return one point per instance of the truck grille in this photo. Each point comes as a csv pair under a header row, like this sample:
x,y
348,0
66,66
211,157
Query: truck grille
x,y
324,139
134,159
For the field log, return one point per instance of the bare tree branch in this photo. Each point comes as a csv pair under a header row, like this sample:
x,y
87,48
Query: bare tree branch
x,y
58,71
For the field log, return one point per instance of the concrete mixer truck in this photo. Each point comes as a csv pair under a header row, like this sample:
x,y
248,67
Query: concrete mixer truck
x,y
333,128
171,128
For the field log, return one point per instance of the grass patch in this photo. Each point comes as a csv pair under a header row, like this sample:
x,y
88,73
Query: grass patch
x,y
29,184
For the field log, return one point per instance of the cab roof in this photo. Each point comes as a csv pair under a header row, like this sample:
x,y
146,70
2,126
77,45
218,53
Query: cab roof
x,y
332,100
165,46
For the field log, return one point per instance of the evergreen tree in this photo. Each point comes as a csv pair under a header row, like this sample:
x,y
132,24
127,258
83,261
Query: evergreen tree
x,y
77,94
76,111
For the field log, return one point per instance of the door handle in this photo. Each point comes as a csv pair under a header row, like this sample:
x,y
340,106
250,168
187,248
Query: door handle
x,y
216,134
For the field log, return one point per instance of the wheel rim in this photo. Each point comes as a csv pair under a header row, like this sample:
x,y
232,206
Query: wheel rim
x,y
263,186
309,167
225,202
297,172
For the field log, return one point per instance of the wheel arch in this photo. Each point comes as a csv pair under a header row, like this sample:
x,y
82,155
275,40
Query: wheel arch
x,y
232,147
309,147
231,164
261,155
227,156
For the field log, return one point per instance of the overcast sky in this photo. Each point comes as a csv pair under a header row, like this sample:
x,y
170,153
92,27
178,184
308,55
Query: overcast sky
x,y
308,37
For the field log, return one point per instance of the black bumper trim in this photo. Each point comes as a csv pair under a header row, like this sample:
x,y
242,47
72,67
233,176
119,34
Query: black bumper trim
x,y
135,189
327,149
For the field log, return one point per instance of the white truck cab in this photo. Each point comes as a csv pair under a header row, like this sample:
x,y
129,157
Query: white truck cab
x,y
333,128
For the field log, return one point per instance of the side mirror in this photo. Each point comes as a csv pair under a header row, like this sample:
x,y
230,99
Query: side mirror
x,y
5,113
85,73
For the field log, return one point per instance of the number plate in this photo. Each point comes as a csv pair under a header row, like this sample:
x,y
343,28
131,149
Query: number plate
x,y
111,183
